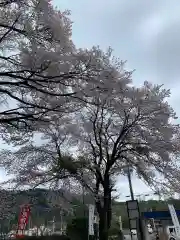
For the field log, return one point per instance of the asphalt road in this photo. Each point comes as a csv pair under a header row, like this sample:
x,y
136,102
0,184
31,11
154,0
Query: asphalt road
x,y
128,237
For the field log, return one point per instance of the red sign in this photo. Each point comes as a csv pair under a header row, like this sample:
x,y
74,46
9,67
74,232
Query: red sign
x,y
23,220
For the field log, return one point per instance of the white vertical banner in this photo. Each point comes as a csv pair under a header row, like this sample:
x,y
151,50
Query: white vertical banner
x,y
91,219
174,219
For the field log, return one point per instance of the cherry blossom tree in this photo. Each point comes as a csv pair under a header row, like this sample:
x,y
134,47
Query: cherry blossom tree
x,y
41,71
128,126
119,125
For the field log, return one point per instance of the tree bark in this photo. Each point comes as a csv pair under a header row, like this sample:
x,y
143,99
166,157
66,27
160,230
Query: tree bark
x,y
105,213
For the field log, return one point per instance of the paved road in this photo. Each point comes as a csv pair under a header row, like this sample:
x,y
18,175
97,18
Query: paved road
x,y
128,237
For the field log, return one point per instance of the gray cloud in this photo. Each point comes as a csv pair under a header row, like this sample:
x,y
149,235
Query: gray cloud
x,y
167,54
146,33
138,187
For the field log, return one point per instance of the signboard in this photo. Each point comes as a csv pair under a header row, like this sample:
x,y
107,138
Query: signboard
x,y
91,219
133,223
133,213
23,220
174,219
132,205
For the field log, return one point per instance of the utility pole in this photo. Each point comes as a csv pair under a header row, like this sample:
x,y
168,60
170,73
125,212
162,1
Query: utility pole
x,y
60,220
53,224
130,182
83,192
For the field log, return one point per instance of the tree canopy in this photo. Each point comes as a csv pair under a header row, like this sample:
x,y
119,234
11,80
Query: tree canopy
x,y
41,71
90,121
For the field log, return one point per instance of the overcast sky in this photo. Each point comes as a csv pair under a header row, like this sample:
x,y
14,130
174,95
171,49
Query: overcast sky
x,y
145,33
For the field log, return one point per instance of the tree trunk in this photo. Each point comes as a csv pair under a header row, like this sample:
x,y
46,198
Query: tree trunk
x,y
109,213
105,212
103,231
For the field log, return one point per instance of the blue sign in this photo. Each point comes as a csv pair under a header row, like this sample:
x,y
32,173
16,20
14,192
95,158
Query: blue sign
x,y
159,214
